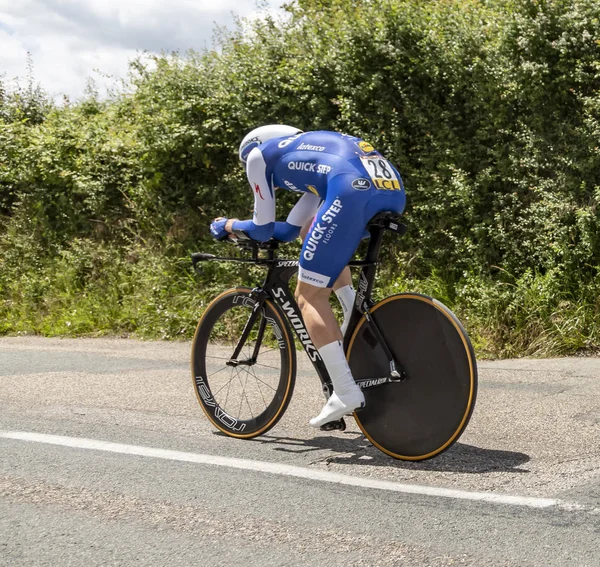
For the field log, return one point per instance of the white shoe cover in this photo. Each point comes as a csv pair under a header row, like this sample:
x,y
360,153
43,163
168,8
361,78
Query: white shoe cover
x,y
339,406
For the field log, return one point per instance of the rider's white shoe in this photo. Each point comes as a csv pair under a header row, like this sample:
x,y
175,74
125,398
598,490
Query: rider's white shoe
x,y
338,406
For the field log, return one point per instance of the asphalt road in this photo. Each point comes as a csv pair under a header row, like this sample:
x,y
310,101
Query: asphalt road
x,y
107,459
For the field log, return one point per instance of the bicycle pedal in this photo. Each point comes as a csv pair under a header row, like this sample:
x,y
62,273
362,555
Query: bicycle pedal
x,y
337,425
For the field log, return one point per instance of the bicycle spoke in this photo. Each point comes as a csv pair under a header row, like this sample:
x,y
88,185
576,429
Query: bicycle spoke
x,y
266,366
229,386
258,381
246,397
215,393
215,373
268,350
243,393
264,383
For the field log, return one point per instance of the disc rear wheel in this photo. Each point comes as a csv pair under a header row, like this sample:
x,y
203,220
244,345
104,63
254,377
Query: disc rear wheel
x,y
425,413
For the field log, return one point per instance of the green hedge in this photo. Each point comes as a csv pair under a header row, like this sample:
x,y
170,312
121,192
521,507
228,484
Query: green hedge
x,y
490,109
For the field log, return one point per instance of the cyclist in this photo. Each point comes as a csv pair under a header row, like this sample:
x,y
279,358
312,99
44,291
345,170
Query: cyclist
x,y
344,182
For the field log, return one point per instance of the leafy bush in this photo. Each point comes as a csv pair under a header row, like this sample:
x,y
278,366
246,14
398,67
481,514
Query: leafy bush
x,y
490,109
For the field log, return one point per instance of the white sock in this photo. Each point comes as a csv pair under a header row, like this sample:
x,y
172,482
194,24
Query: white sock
x,y
347,396
337,366
346,297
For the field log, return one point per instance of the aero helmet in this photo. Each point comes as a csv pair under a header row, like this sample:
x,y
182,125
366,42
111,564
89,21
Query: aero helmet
x,y
261,135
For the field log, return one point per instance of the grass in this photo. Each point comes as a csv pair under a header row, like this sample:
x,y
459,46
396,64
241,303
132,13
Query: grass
x,y
94,290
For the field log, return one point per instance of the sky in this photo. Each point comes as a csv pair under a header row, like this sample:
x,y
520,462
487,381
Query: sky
x,y
71,41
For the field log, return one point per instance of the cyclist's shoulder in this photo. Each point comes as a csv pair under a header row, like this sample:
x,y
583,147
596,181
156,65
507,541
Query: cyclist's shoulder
x,y
326,141
313,140
337,144
322,142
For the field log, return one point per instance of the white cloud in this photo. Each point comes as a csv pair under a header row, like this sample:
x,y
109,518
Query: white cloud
x,y
70,39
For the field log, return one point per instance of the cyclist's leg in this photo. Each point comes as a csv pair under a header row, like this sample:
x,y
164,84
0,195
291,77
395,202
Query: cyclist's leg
x,y
327,337
342,287
332,239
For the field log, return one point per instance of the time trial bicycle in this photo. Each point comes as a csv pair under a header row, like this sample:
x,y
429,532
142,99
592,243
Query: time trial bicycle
x,y
408,352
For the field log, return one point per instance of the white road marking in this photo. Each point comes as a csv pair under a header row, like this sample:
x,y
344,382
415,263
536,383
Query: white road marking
x,y
286,470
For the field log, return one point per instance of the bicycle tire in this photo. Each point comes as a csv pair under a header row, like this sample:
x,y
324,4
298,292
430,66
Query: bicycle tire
x,y
247,400
424,414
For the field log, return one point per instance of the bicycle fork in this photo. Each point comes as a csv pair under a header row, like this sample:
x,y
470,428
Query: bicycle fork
x,y
256,312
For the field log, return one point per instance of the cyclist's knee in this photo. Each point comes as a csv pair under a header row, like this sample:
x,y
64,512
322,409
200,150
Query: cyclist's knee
x,y
310,294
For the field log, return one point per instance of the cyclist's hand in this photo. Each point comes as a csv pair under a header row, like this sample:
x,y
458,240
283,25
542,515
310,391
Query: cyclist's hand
x,y
217,229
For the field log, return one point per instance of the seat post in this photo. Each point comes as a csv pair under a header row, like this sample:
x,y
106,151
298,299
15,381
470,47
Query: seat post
x,y
374,243
367,274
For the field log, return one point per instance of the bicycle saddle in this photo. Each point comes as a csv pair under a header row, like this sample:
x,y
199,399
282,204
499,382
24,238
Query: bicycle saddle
x,y
387,220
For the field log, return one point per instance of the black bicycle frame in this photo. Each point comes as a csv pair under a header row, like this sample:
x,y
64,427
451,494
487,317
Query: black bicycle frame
x,y
276,288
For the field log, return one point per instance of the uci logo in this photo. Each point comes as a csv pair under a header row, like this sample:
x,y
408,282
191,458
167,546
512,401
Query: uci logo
x,y
361,184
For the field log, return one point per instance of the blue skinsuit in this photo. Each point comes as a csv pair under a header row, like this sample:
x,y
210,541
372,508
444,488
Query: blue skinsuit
x,y
351,180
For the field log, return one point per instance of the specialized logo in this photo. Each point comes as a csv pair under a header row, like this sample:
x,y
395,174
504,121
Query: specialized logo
x,y
322,230
311,148
361,184
373,382
257,190
298,325
286,263
365,147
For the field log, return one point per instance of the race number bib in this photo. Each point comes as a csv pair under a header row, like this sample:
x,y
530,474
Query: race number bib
x,y
381,172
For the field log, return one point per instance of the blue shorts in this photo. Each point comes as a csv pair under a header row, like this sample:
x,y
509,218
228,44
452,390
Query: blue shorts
x,y
339,225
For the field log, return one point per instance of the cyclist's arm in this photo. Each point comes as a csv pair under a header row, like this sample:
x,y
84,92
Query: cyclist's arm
x,y
263,221
303,211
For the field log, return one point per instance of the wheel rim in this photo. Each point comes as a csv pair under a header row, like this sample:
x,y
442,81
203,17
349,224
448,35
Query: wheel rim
x,y
247,399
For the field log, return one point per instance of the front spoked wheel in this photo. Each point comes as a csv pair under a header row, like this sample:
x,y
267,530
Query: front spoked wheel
x,y
426,412
243,364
